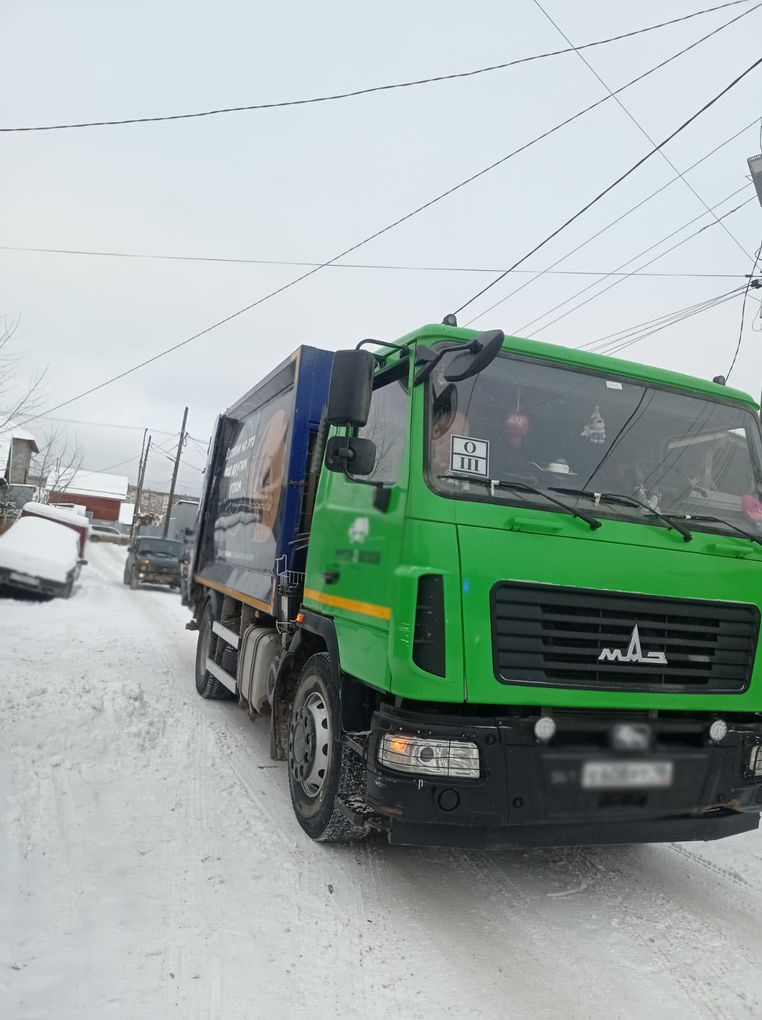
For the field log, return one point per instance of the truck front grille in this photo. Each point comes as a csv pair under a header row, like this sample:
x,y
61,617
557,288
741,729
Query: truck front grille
x,y
608,640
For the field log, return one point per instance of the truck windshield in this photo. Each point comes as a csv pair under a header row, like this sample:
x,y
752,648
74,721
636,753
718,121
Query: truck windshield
x,y
159,546
561,429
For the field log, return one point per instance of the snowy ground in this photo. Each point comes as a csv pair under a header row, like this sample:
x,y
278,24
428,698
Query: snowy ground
x,y
151,867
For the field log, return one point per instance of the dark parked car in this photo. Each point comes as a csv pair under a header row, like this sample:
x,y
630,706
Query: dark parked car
x,y
153,560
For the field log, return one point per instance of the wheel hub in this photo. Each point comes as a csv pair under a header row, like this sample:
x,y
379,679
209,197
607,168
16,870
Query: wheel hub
x,y
310,744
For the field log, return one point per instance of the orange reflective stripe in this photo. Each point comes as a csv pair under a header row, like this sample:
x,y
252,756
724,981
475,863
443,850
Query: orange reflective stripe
x,y
353,605
248,599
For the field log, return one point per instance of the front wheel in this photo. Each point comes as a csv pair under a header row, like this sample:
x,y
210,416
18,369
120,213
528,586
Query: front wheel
x,y
321,769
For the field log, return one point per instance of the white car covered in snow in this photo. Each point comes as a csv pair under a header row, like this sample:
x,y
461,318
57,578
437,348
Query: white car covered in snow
x,y
41,556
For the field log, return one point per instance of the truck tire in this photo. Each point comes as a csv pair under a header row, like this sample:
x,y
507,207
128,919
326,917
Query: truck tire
x,y
208,686
321,769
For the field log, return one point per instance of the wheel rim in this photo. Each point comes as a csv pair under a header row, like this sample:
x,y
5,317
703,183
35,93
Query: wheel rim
x,y
309,754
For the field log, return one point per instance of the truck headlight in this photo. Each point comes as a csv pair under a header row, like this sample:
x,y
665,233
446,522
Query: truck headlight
x,y
429,756
718,731
755,760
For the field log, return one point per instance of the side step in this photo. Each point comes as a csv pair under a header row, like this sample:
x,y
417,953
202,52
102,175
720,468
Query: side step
x,y
227,635
219,673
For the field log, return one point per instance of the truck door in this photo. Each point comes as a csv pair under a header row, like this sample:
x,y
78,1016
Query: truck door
x,y
357,534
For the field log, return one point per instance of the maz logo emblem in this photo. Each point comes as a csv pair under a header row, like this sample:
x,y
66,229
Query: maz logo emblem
x,y
634,653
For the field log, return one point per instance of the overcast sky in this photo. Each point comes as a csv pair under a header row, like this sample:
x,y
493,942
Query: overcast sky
x,y
304,183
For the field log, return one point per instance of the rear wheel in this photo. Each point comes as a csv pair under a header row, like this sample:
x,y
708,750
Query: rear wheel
x,y
207,685
321,769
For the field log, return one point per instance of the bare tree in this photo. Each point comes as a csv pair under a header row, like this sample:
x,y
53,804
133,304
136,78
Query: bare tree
x,y
18,398
60,457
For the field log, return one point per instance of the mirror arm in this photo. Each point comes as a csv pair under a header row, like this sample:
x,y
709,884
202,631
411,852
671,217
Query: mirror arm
x,y
382,495
428,365
381,358
380,343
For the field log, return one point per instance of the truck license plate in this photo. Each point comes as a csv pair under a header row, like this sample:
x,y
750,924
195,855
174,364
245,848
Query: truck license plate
x,y
620,775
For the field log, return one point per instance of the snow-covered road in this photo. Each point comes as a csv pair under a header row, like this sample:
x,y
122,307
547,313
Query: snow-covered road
x,y
151,867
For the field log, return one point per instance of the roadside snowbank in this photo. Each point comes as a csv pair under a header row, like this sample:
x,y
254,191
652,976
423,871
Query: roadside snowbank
x,y
152,868
56,513
39,548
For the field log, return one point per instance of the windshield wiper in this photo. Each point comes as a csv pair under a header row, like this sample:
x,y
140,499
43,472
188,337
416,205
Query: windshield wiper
x,y
705,518
620,497
494,483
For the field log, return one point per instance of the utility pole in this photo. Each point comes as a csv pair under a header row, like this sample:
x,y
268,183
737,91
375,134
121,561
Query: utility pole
x,y
180,444
139,493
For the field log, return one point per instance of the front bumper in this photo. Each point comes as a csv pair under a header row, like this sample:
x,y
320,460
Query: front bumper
x,y
530,794
32,584
149,576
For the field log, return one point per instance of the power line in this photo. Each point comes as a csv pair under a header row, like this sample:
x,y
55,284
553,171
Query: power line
x,y
402,219
618,341
101,424
350,265
614,184
656,258
617,335
128,460
375,88
607,226
638,125
747,288
674,320
532,322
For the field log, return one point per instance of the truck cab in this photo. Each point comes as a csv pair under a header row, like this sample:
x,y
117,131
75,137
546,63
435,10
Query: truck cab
x,y
529,612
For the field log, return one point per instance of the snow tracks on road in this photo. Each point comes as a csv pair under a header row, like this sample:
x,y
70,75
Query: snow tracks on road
x,y
152,867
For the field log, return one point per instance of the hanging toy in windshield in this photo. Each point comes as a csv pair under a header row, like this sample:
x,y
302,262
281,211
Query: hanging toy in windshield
x,y
516,426
595,430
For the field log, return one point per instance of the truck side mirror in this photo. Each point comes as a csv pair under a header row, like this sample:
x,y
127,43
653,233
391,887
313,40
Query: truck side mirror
x,y
483,350
350,454
351,388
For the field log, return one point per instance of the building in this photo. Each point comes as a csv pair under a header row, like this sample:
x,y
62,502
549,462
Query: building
x,y
100,493
154,503
17,447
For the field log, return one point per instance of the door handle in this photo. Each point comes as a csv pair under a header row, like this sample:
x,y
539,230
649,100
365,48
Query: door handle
x,y
331,576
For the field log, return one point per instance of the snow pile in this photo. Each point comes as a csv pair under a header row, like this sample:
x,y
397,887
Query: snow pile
x,y
152,867
56,513
39,548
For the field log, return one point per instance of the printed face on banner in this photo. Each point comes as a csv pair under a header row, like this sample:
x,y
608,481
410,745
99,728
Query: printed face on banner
x,y
251,490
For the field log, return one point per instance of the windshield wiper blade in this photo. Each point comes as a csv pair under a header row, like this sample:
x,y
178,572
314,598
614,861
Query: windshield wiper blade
x,y
501,483
621,497
706,518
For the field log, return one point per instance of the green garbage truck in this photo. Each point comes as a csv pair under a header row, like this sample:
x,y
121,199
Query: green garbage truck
x,y
490,592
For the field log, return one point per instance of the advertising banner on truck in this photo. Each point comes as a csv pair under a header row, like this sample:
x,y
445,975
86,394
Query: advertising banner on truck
x,y
249,515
